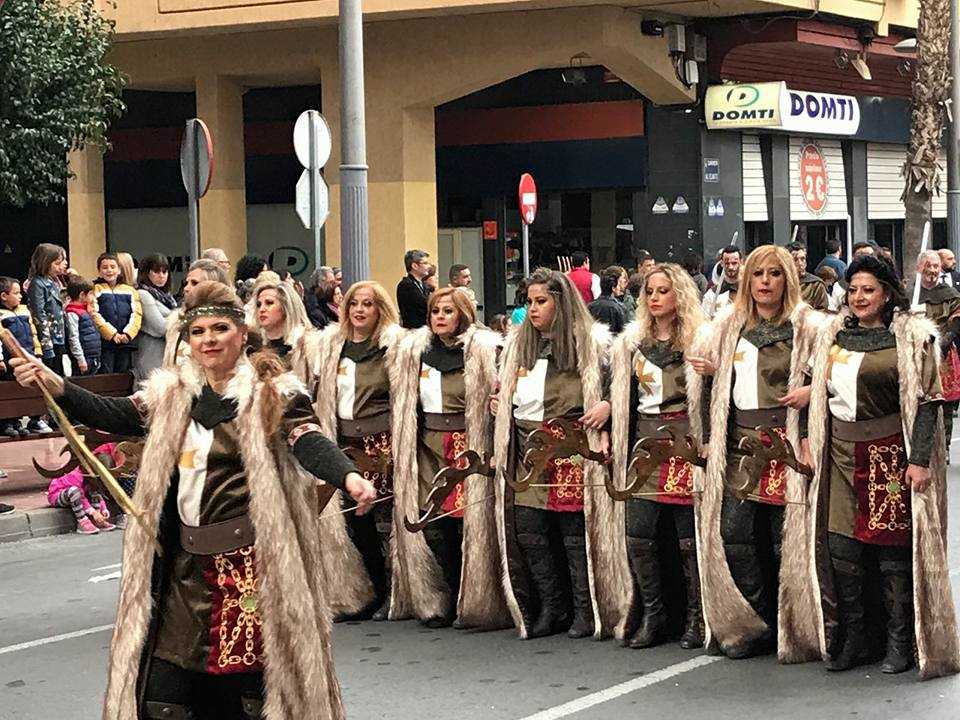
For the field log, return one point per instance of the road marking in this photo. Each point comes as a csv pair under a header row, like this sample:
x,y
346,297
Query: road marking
x,y
106,567
53,639
611,693
102,578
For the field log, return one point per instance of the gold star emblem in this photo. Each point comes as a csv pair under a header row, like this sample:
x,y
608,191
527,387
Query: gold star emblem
x,y
644,379
738,356
837,355
522,372
187,459
342,369
425,373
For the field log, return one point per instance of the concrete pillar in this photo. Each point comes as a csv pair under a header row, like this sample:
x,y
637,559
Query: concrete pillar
x,y
86,219
223,210
778,186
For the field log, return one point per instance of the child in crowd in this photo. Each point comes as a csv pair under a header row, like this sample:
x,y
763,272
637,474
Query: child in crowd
x,y
117,315
72,491
83,338
15,317
43,287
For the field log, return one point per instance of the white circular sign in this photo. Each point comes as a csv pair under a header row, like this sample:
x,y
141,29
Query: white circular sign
x,y
323,141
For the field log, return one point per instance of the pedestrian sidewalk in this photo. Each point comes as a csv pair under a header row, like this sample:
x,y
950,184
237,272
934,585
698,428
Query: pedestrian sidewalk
x,y
26,490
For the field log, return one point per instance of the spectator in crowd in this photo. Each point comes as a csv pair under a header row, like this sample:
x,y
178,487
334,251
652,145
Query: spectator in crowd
x,y
323,274
949,275
835,290
863,247
15,317
175,351
461,278
631,298
88,506
586,282
812,290
117,314
156,303
249,268
887,253
499,323
47,264
219,257
83,338
646,263
519,313
329,297
607,308
128,268
412,292
338,277
693,264
431,281
832,259
716,270
724,292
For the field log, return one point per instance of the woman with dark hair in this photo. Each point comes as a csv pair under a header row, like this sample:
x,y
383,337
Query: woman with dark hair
x,y
329,297
554,368
223,607
156,304
249,268
693,264
879,494
47,264
519,313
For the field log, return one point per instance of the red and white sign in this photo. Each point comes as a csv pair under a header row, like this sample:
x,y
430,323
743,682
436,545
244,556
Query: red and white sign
x,y
814,181
527,196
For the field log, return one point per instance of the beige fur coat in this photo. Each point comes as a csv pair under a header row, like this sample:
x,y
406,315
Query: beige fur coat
x,y
729,617
934,614
299,675
609,576
621,368
481,603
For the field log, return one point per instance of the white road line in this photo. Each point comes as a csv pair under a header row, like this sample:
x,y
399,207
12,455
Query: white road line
x,y
611,693
101,578
106,567
53,639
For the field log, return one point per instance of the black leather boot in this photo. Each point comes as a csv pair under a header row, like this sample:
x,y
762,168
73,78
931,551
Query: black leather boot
x,y
848,579
448,558
898,596
694,630
583,625
745,569
645,565
543,574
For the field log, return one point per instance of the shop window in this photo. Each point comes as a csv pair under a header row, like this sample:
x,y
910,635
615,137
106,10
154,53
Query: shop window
x,y
757,234
889,234
815,235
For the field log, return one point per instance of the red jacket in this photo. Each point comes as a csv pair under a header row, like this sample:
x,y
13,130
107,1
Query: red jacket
x,y
583,280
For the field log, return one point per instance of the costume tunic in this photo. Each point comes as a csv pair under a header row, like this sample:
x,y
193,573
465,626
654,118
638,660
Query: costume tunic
x,y
813,292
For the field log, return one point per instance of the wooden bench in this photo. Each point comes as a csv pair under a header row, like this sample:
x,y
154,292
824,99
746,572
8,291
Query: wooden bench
x,y
17,401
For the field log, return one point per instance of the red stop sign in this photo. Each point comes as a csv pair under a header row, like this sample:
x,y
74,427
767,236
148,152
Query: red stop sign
x,y
814,181
527,196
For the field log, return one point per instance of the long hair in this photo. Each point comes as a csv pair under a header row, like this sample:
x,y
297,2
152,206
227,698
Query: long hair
x,y
294,312
460,300
44,255
571,323
388,311
791,290
128,268
689,314
154,263
883,270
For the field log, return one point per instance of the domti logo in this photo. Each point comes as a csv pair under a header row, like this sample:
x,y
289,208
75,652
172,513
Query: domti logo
x,y
742,96
756,105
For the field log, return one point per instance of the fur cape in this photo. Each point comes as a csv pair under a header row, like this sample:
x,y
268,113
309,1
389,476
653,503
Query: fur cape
x,y
411,594
481,603
610,580
172,349
299,675
934,615
621,367
729,618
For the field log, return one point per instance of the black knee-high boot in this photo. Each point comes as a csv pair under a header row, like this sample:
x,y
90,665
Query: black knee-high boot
x,y
442,543
846,557
745,568
543,573
583,625
694,630
383,515
645,565
898,596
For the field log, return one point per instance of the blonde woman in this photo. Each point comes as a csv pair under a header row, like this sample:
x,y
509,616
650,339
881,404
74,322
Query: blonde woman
x,y
757,352
276,313
449,372
651,383
359,380
554,367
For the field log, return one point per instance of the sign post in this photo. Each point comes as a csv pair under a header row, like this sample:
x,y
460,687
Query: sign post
x,y
312,143
196,170
527,196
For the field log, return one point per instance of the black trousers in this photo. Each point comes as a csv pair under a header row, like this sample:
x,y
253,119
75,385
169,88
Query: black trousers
x,y
542,522
115,358
643,516
370,534
444,537
56,362
752,540
205,697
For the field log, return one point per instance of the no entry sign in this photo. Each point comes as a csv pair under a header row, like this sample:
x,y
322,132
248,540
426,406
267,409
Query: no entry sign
x,y
814,181
527,196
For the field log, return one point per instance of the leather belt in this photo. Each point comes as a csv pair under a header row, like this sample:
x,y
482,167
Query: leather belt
x,y
365,426
647,425
218,537
861,430
445,422
771,417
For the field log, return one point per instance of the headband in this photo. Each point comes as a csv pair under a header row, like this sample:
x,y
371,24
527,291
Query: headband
x,y
230,312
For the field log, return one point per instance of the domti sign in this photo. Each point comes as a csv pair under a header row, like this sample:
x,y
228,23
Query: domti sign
x,y
776,107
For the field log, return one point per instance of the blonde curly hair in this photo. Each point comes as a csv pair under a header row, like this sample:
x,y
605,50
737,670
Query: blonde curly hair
x,y
689,315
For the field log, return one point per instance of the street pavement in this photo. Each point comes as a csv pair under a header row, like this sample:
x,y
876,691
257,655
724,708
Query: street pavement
x,y
58,597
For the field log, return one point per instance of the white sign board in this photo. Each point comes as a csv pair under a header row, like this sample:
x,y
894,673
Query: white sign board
x,y
322,140
303,200
774,106
820,113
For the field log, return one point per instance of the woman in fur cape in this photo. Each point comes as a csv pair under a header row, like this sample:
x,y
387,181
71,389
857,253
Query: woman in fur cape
x,y
449,373
879,495
277,315
359,381
567,533
757,352
651,382
222,610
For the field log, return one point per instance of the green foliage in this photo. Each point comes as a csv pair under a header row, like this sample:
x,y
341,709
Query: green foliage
x,y
57,93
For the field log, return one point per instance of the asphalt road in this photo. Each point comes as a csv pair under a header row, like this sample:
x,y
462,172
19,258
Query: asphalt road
x,y
58,595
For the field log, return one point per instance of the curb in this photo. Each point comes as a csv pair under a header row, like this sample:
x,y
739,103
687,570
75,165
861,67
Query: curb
x,y
42,522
